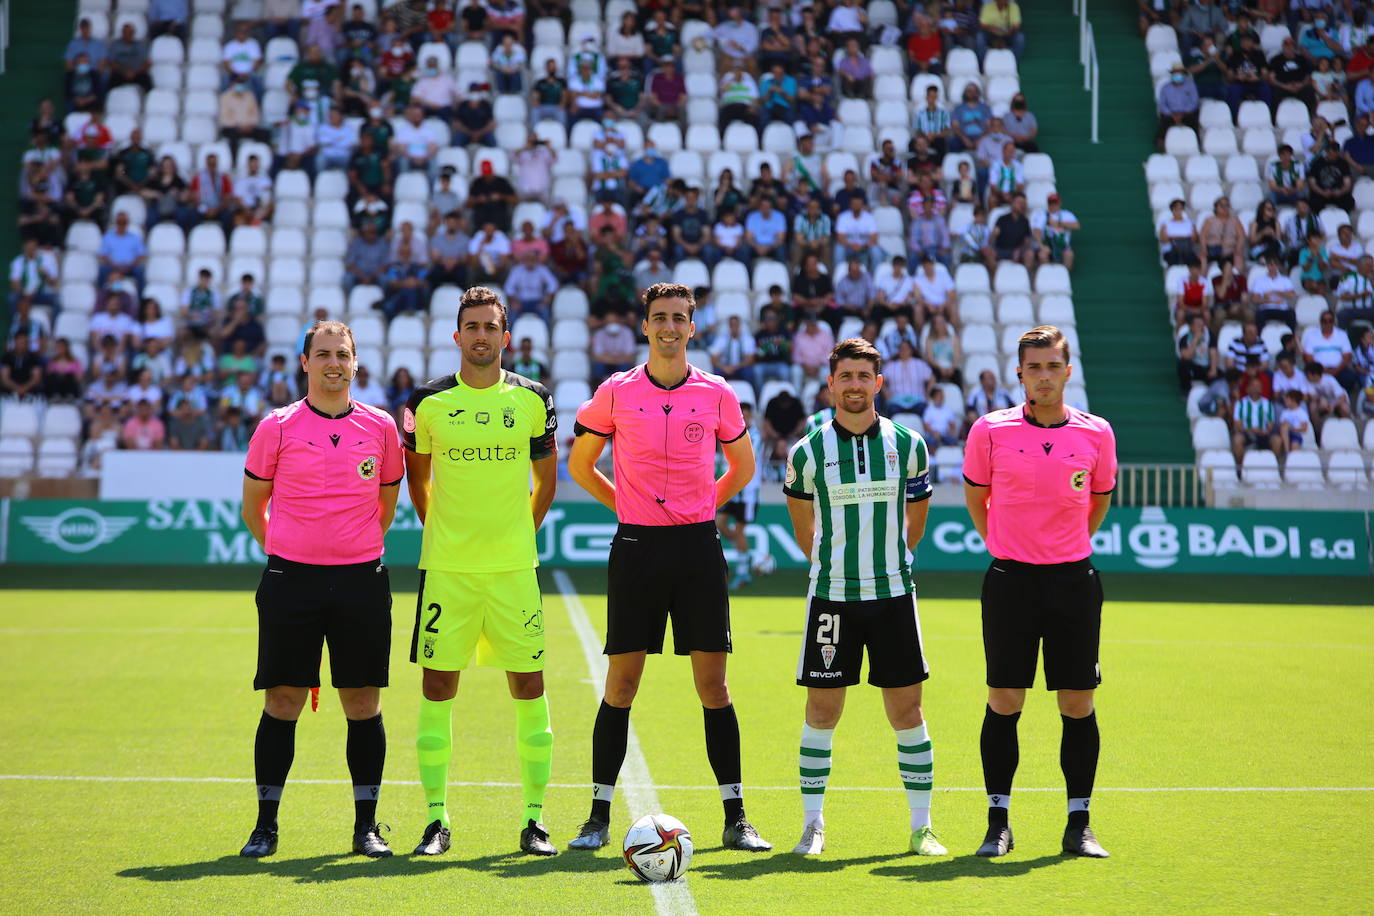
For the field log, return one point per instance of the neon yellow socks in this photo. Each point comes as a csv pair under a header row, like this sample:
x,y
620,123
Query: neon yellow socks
x,y
534,738
433,746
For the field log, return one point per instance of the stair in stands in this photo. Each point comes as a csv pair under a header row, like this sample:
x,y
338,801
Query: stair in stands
x,y
33,69
1127,347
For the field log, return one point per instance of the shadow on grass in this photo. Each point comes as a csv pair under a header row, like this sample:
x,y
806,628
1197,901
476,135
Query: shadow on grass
x,y
967,867
779,863
912,869
340,867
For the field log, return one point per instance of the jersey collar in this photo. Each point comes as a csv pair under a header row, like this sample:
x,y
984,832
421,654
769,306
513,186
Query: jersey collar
x,y
871,433
1030,418
330,416
655,382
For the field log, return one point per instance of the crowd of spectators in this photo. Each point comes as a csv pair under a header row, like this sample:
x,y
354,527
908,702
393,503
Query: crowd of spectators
x,y
441,187
1273,316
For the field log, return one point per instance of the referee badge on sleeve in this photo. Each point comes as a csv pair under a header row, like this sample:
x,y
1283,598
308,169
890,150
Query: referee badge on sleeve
x,y
367,468
1078,480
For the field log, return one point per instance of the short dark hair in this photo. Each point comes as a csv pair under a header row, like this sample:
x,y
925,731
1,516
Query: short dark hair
x,y
478,296
1037,338
670,291
856,348
327,326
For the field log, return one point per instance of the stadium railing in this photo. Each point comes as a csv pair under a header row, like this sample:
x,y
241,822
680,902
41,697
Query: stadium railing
x,y
1087,56
1169,486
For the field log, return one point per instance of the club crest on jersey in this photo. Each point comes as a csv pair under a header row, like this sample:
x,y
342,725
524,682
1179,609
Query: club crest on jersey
x,y
367,468
508,417
429,647
408,420
828,656
1078,480
892,463
791,476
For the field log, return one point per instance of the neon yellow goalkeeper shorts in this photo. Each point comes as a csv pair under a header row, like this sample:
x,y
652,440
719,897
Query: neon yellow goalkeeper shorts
x,y
498,616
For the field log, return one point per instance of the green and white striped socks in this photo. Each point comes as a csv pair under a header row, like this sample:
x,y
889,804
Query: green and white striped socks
x,y
814,764
916,766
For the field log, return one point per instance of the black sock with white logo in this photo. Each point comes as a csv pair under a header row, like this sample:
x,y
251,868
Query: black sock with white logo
x,y
1078,749
366,752
610,735
1001,754
273,751
722,749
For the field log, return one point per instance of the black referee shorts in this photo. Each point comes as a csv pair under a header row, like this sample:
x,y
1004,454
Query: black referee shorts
x,y
657,572
302,606
1059,603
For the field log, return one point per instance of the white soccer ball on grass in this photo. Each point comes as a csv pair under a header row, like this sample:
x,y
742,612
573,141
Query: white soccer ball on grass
x,y
658,847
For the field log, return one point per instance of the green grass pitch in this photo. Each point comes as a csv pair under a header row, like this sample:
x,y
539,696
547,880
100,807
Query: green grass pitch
x,y
1235,775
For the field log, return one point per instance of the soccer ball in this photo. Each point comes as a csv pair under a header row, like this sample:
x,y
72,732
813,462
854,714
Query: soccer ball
x,y
764,564
658,848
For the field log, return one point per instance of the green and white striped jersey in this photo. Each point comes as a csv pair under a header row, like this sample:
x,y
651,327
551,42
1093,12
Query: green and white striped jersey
x,y
1253,414
859,485
819,419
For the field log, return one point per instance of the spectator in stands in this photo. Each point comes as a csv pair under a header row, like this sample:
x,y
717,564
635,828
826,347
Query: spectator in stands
x,y
999,26
784,419
1290,75
35,325
33,276
737,39
625,92
1192,297
928,235
62,377
777,44
1285,178
1331,181
608,168
122,253
765,233
1325,396
403,282
811,345
1299,226
200,306
854,293
1230,297
1205,66
126,60
1274,296
1359,148
689,227
1355,294
856,235
1197,358
1317,41
530,287
971,242
739,97
1363,364
1198,21
1295,424
1011,238
152,324
1314,265
1053,230
188,429
212,194
648,172
312,78
143,431
412,146
1265,236
778,95
145,390
894,294
336,141
491,197
253,188
812,233
549,96
988,397
448,250
650,233
1006,178
812,289
933,122
772,349
907,379
1222,237
1252,423
232,435
1329,347
241,60
969,120
508,65
435,91
474,120
943,351
586,95
935,293
1178,237
925,50
489,253
850,188
528,364
167,17
1287,377
733,352
885,175
667,91
855,72
613,347
1178,103
941,420
366,257
85,197
371,208
369,168
239,116
21,369
652,269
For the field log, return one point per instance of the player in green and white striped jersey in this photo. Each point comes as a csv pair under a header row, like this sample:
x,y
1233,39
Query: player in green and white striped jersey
x,y
858,490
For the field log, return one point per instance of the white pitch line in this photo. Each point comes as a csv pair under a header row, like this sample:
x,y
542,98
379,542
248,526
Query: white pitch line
x,y
123,631
640,793
631,787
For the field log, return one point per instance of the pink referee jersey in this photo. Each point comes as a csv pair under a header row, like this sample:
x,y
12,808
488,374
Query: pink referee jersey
x,y
325,474
665,442
1042,480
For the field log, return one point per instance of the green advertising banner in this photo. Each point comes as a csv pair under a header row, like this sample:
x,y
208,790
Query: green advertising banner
x,y
196,532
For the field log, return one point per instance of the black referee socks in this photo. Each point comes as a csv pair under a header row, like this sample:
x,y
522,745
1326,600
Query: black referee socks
x,y
722,750
610,735
366,752
1001,754
273,751
1078,748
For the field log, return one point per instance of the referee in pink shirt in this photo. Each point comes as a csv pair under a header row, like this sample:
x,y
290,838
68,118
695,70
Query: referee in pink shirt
x,y
330,468
665,417
1038,480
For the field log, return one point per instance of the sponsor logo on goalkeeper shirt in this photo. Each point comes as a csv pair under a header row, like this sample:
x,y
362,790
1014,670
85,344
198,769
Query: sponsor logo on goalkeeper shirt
x,y
482,453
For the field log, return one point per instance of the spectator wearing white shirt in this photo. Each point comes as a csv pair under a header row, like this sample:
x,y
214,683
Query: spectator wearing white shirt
x,y
336,140
489,252
1329,348
254,190
1295,423
413,147
435,91
1006,177
1274,296
1325,396
935,289
727,241
847,20
587,94
856,235
33,275
531,286
907,379
367,390
736,38
733,351
1355,295
115,322
296,141
895,294
941,422
613,347
241,60
1053,228
1346,251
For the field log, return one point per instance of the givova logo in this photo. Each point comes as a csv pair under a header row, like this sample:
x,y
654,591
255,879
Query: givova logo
x,y
77,530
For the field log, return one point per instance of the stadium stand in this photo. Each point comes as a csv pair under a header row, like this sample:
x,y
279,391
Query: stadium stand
x,y
211,184
1263,191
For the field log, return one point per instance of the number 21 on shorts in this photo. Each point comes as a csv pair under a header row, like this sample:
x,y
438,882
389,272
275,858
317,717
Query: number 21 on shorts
x,y
827,634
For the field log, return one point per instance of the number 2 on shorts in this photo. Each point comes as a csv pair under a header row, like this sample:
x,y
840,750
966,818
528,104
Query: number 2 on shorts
x,y
429,627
